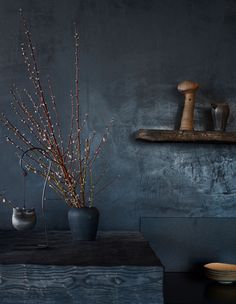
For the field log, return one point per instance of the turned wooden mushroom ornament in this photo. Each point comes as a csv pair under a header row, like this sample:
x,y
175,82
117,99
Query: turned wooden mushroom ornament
x,y
188,88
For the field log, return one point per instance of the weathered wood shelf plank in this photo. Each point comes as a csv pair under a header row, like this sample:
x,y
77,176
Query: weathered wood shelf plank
x,y
153,135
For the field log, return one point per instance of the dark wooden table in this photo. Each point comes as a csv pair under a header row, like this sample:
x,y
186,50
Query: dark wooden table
x,y
118,267
195,288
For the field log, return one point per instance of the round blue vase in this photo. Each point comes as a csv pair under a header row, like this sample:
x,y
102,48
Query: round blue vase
x,y
83,223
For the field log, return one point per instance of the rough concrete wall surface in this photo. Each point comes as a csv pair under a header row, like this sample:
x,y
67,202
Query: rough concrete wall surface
x,y
133,54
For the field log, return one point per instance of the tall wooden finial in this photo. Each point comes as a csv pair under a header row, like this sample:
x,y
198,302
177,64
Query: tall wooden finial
x,y
188,88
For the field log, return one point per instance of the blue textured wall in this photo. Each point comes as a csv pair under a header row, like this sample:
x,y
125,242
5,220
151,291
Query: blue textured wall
x,y
133,54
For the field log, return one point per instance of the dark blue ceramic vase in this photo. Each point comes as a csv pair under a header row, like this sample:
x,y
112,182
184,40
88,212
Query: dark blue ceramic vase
x,y
83,223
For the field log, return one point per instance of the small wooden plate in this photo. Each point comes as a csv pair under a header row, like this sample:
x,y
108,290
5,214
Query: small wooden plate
x,y
220,267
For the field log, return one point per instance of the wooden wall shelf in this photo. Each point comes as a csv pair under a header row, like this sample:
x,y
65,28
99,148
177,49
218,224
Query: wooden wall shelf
x,y
186,136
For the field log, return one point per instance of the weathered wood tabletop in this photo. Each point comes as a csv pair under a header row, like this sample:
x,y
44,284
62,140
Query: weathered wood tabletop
x,y
110,249
118,267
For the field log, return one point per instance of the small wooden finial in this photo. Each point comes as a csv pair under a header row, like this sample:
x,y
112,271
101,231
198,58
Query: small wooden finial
x,y
187,86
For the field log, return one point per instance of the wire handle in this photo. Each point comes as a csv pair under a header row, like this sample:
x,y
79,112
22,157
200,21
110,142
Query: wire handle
x,y
25,173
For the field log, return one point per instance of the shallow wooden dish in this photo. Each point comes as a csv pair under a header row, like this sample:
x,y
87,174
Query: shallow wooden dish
x,y
219,267
221,272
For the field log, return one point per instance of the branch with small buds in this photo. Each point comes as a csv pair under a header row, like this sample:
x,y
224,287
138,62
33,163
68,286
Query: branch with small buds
x,y
39,124
6,201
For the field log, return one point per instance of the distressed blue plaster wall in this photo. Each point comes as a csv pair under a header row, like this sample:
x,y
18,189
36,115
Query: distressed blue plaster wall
x,y
133,54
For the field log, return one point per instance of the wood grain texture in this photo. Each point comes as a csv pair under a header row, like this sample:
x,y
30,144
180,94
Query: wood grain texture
x,y
117,268
31,284
186,136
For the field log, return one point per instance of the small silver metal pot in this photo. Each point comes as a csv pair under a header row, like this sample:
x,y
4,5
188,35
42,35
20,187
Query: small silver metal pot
x,y
23,219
